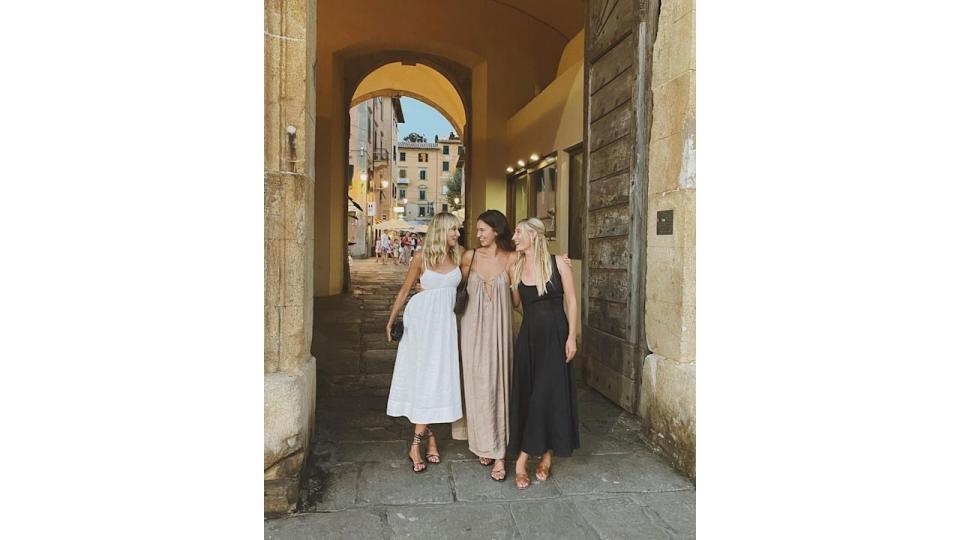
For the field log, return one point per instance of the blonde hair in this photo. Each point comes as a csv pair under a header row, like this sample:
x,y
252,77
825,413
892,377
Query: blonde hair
x,y
541,255
435,247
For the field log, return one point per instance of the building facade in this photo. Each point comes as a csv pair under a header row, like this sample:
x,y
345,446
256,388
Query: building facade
x,y
423,171
372,169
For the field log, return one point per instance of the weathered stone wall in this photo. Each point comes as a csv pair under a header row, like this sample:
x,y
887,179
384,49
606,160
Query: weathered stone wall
x,y
289,370
667,396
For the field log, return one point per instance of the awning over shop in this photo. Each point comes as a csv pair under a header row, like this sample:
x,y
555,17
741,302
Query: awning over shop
x,y
393,225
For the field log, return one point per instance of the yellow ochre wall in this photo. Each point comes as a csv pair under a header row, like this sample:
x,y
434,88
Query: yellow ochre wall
x,y
553,121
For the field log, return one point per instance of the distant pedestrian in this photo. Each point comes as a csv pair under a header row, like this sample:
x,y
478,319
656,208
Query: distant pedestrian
x,y
384,247
426,376
405,243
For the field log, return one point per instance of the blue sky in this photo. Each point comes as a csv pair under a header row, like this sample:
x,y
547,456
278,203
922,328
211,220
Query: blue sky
x,y
423,119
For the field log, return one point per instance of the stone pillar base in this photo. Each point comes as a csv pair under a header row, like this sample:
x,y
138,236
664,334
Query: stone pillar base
x,y
289,409
668,410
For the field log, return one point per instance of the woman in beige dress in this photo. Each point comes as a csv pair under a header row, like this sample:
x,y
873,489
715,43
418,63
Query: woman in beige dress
x,y
486,343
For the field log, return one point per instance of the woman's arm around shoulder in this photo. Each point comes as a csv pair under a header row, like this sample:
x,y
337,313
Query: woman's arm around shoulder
x,y
465,262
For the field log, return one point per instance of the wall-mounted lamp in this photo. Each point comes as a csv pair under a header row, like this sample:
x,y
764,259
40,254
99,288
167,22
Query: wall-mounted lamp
x,y
292,138
509,170
534,157
520,163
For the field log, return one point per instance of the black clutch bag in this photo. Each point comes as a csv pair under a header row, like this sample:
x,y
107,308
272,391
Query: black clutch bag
x,y
462,298
396,330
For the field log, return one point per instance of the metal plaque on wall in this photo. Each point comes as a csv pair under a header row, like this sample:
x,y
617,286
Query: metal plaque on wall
x,y
665,222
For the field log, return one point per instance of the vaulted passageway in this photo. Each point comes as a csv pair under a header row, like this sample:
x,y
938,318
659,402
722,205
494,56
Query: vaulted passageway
x,y
578,111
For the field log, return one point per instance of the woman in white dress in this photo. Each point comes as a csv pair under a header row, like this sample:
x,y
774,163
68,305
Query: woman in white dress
x,y
426,375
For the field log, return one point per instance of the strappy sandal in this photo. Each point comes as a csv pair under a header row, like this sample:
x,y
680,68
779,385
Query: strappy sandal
x,y
418,442
486,462
542,473
502,471
436,457
522,481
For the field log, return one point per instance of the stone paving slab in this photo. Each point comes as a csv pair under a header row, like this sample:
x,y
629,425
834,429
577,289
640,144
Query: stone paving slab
x,y
628,473
395,483
362,418
336,526
368,434
340,489
356,452
550,520
459,521
678,509
603,445
621,517
473,483
454,450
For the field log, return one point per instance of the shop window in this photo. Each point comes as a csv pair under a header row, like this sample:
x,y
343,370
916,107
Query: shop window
x,y
545,184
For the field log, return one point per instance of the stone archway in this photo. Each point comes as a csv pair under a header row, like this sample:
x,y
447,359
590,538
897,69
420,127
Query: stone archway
x,y
392,80
418,81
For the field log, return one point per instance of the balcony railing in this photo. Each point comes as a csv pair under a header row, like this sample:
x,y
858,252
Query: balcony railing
x,y
380,157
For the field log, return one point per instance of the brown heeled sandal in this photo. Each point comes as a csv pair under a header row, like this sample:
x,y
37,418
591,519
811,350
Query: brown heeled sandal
x,y
436,457
522,481
502,471
418,442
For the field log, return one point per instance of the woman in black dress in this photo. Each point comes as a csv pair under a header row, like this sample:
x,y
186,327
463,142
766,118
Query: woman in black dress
x,y
543,396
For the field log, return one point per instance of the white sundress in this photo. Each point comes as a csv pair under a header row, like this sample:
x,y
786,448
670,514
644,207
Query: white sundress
x,y
426,375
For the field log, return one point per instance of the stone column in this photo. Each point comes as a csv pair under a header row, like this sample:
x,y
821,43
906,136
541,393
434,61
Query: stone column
x,y
668,392
289,127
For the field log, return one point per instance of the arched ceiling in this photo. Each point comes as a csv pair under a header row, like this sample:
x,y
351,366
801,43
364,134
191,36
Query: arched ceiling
x,y
418,81
564,16
519,42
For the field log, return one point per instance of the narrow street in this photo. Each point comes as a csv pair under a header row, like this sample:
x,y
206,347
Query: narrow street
x,y
359,483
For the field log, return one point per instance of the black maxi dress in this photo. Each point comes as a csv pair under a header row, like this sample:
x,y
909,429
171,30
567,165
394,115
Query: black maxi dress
x,y
543,393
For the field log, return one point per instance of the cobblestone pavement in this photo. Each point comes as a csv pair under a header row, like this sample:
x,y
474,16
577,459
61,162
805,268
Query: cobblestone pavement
x,y
359,483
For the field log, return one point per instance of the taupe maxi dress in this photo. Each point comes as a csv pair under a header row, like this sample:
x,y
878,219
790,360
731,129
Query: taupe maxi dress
x,y
486,349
